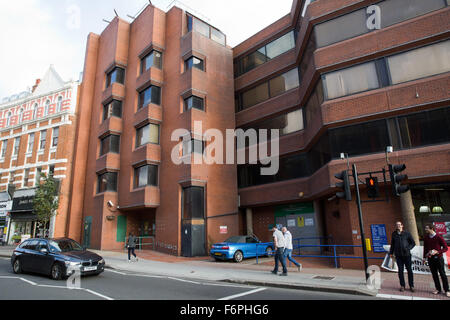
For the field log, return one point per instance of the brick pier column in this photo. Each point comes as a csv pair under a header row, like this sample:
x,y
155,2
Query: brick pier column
x,y
408,216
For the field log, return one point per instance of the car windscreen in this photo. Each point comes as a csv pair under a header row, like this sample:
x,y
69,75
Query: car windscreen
x,y
236,239
64,246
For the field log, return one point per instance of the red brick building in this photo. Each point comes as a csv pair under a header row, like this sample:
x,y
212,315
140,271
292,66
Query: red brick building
x,y
334,77
37,133
348,77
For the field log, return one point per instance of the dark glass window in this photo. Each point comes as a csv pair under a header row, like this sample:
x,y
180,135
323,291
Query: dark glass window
x,y
312,107
152,60
194,102
425,128
112,109
150,95
193,145
55,137
107,182
281,45
116,75
253,60
193,203
147,134
109,144
146,176
254,96
42,140
194,62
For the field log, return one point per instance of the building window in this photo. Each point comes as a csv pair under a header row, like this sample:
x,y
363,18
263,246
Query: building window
x,y
420,63
147,134
55,137
38,175
51,170
59,104
146,176
47,107
30,143
16,146
20,115
269,89
193,146
112,109
4,148
150,95
194,62
152,60
110,144
8,118
265,54
26,177
312,107
35,109
205,29
117,75
193,199
107,182
194,102
352,80
42,140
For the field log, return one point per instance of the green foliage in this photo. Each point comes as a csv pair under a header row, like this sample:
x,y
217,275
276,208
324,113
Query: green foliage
x,y
46,201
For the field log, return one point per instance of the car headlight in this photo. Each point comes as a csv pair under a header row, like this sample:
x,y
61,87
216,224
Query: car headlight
x,y
101,261
72,264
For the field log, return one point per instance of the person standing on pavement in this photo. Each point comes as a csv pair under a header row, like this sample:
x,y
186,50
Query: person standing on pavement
x,y
289,248
279,242
131,245
433,250
401,245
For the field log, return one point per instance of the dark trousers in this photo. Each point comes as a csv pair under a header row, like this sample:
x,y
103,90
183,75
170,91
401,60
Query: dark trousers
x,y
280,257
403,262
437,266
131,252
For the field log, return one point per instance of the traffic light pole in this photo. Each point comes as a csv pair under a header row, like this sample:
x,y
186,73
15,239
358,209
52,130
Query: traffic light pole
x,y
361,224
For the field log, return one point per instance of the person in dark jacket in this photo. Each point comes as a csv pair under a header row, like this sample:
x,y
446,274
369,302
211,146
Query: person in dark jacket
x,y
401,245
131,245
434,247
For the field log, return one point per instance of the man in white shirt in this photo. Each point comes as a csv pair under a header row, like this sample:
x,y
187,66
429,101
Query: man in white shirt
x,y
289,248
280,244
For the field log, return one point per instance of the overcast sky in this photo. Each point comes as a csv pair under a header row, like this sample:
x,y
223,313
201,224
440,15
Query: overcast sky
x,y
37,33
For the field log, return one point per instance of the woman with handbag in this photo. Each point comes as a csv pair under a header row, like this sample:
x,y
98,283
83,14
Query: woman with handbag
x,y
433,250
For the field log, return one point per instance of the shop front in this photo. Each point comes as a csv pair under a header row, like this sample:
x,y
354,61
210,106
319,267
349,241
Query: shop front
x,y
5,208
432,206
24,223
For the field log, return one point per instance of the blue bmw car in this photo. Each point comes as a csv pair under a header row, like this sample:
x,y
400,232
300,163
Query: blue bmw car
x,y
238,248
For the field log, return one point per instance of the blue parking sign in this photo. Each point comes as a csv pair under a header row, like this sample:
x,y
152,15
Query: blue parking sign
x,y
379,237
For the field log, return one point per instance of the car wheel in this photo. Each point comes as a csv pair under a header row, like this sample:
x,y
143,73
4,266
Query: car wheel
x,y
17,266
238,257
269,251
56,272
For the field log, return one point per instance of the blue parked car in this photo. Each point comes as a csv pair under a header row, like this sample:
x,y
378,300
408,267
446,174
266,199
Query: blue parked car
x,y
238,248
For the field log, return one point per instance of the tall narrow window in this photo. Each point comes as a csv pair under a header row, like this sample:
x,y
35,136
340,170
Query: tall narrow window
x,y
55,137
16,146
8,119
30,142
47,107
51,170
26,177
38,175
35,109
59,104
4,148
42,140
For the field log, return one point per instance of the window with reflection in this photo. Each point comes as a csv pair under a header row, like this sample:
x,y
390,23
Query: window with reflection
x,y
194,102
147,134
194,62
107,182
117,75
146,175
150,95
110,144
152,60
112,109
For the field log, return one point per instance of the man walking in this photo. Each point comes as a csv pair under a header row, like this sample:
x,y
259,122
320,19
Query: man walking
x,y
289,248
401,245
131,245
279,242
433,250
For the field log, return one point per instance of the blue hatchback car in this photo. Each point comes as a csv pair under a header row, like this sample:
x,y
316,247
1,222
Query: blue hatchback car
x,y
238,248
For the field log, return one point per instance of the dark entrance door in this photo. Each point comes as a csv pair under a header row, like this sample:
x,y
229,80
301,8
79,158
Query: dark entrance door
x,y
193,239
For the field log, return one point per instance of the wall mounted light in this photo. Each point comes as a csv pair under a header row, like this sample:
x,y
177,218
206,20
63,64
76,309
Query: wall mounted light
x,y
424,209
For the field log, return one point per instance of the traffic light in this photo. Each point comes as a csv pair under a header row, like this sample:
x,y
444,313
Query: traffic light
x,y
397,178
373,190
344,186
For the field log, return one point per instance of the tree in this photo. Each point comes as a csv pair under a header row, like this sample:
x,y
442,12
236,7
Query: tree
x,y
46,200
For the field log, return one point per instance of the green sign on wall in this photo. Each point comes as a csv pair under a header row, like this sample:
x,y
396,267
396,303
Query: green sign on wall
x,y
292,209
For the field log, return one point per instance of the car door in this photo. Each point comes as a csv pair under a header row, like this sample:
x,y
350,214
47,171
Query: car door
x,y
250,244
27,258
42,261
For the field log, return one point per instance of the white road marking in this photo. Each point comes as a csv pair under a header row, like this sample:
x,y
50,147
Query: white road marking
x,y
57,287
243,294
393,296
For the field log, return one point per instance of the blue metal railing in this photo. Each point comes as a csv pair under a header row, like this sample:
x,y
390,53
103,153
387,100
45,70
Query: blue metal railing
x,y
334,247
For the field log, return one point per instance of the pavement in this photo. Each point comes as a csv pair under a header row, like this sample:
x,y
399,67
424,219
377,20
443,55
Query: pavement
x,y
316,275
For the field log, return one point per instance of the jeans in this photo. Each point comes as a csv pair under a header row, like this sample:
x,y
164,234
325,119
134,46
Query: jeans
x,y
437,266
288,255
403,262
131,252
279,257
